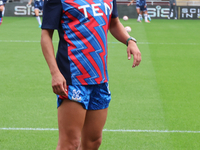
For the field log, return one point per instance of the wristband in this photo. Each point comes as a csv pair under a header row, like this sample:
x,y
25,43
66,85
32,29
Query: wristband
x,y
131,38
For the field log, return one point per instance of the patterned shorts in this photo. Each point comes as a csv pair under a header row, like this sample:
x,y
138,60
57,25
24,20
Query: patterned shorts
x,y
92,97
142,8
38,5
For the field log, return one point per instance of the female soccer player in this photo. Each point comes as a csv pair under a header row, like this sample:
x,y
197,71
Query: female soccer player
x,y
79,71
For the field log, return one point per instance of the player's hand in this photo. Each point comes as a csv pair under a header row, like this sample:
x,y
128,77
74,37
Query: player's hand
x,y
132,49
59,84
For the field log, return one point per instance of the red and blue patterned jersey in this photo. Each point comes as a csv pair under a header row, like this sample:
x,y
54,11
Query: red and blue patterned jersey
x,y
82,49
85,24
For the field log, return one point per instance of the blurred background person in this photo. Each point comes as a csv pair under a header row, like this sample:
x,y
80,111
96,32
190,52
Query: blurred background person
x,y
38,6
141,8
2,10
172,5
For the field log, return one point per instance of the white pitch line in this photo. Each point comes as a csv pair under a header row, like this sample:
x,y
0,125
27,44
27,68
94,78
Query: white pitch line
x,y
145,43
169,43
32,129
158,131
106,130
150,43
21,41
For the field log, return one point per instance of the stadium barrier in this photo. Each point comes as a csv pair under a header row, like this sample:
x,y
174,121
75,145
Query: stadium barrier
x,y
161,11
19,9
156,11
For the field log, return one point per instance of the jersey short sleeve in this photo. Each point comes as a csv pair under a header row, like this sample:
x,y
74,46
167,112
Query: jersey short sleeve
x,y
114,12
52,11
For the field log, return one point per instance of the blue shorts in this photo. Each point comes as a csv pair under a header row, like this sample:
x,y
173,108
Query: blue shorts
x,y
38,5
142,8
92,97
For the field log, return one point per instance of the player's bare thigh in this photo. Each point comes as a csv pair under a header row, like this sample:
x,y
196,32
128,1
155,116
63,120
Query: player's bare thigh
x,y
37,11
138,10
71,117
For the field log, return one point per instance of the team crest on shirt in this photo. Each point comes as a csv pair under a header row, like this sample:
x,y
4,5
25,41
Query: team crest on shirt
x,y
76,95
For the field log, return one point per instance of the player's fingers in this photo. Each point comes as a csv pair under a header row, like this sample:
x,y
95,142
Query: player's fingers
x,y
65,87
134,65
59,90
56,90
137,60
134,61
129,55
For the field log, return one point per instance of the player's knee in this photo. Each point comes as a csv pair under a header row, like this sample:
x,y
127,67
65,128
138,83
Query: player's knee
x,y
94,144
74,144
70,144
97,143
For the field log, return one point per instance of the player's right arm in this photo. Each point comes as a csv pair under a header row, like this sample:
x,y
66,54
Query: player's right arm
x,y
130,3
58,81
29,3
52,10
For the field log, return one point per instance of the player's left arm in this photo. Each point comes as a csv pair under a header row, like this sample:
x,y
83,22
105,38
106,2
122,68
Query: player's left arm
x,y
120,33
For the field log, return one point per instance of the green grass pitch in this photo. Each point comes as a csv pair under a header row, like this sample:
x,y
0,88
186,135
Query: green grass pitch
x,y
154,106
